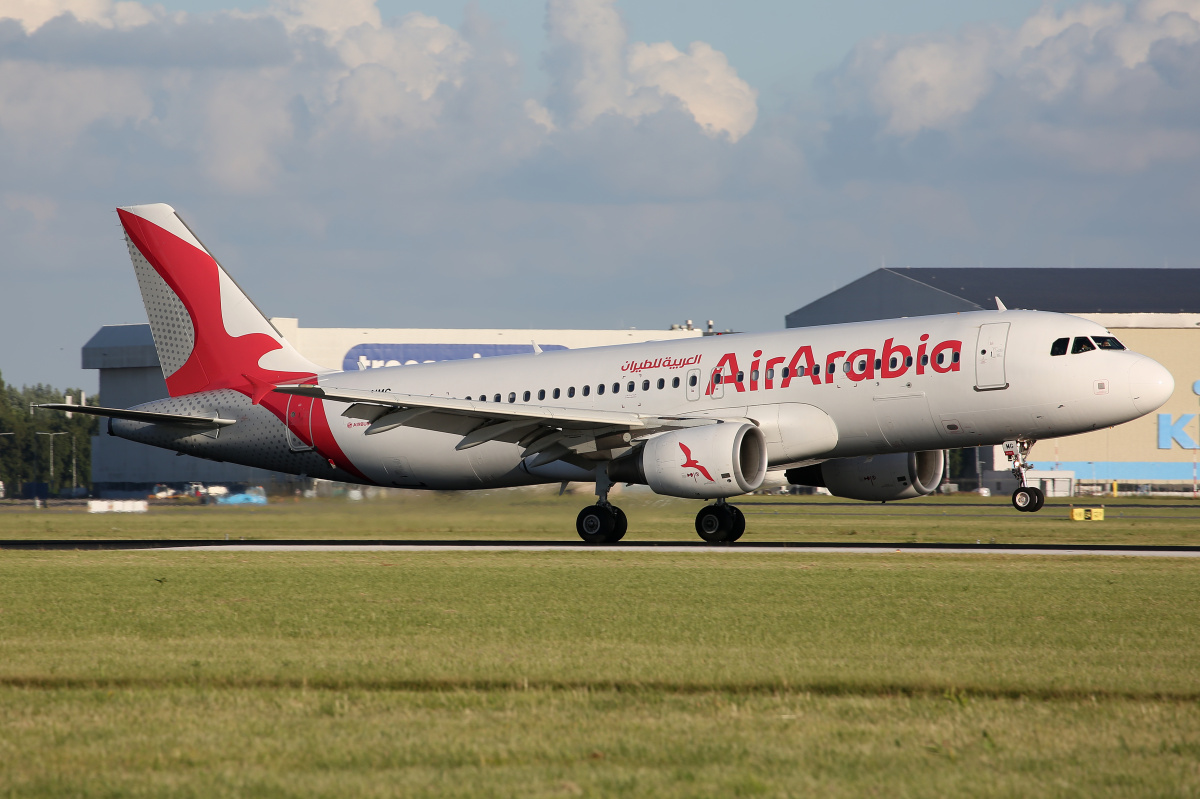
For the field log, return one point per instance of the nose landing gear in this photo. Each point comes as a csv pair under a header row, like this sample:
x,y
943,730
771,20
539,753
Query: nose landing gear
x,y
720,523
1027,498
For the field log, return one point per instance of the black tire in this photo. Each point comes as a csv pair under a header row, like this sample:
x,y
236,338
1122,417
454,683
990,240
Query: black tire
x,y
621,527
1024,500
595,524
1039,499
714,523
739,523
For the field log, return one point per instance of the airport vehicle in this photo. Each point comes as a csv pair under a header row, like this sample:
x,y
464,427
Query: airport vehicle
x,y
866,410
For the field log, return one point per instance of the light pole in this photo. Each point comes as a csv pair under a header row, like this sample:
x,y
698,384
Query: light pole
x,y
51,435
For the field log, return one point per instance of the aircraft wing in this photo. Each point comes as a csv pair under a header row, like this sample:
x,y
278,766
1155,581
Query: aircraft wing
x,y
550,431
177,419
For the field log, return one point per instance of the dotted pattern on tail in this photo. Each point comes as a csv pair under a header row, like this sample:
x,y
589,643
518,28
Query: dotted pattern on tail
x,y
170,323
258,439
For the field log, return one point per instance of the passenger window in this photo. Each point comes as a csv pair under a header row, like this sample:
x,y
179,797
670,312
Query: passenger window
x,y
908,361
541,394
862,366
662,383
954,358
1082,344
846,366
512,396
816,369
557,393
630,386
892,362
693,380
941,357
675,382
600,389
1059,347
924,360
617,388
586,390
1108,343
716,378
571,392
497,399
525,397
878,364
741,376
754,375
770,374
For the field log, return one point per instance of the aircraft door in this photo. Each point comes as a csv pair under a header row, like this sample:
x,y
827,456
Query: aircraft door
x,y
693,384
299,423
717,390
989,357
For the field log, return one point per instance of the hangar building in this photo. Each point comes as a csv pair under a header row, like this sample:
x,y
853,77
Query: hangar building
x,y
1152,311
130,375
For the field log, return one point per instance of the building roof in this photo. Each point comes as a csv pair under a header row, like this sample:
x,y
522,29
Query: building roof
x,y
120,347
888,293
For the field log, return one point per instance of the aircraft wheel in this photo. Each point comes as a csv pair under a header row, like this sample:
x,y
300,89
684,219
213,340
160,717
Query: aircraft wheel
x,y
739,523
595,524
715,523
1024,500
1039,499
621,526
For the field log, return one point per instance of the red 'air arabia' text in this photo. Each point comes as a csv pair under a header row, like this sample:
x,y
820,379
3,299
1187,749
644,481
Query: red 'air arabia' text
x,y
891,360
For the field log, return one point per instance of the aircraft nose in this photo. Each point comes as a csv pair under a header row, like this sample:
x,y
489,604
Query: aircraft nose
x,y
1150,384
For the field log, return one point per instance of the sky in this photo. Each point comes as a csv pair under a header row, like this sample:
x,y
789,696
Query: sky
x,y
579,163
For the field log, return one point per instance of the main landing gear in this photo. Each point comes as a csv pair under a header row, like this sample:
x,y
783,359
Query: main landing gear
x,y
1027,498
720,523
602,523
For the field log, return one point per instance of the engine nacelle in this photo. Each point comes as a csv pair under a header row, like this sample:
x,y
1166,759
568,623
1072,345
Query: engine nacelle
x,y
717,460
876,478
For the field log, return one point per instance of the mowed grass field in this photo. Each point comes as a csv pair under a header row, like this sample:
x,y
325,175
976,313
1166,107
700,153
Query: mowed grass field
x,y
719,672
540,514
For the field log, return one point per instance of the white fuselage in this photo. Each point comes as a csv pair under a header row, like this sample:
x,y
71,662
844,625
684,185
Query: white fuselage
x,y
886,392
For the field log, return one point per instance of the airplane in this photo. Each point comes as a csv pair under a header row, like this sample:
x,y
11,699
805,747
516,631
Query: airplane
x,y
866,410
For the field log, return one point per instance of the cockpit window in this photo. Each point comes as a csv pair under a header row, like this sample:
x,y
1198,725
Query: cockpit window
x,y
1108,343
1059,347
1082,344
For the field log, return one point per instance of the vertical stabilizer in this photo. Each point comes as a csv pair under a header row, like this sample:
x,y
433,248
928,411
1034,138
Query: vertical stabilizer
x,y
208,333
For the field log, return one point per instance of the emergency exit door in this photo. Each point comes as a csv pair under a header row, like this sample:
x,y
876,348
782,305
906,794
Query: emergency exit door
x,y
989,357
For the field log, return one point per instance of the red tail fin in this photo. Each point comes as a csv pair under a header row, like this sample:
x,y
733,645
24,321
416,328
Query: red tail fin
x,y
208,333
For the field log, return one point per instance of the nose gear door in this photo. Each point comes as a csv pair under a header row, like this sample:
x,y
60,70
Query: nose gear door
x,y
989,357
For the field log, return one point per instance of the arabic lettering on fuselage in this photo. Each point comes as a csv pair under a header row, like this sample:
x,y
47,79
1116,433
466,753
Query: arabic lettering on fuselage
x,y
892,360
659,363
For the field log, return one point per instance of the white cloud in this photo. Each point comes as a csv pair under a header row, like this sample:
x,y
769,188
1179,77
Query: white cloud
x,y
702,80
599,72
1097,87
33,14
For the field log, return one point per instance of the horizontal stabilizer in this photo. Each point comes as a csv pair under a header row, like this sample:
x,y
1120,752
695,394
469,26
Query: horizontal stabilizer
x,y
177,419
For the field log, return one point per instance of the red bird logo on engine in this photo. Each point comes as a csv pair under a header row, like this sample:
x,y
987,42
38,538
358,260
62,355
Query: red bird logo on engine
x,y
691,463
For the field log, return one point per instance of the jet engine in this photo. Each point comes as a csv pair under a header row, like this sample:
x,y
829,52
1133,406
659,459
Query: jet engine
x,y
876,478
717,460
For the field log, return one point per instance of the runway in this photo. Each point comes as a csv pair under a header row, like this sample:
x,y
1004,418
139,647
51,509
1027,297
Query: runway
x,y
698,547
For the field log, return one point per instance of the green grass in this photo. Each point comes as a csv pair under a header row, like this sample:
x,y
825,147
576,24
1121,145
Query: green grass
x,y
540,514
596,673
